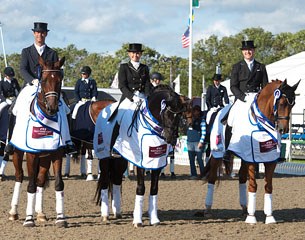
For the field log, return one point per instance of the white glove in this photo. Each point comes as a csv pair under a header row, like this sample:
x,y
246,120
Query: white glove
x,y
136,99
35,82
93,99
214,109
9,101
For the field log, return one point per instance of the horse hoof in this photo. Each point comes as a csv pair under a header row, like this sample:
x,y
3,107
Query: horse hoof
x,y
41,217
13,217
155,224
117,216
29,222
89,177
61,222
105,219
138,225
251,219
270,220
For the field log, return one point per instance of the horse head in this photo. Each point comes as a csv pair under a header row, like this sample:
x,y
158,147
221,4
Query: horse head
x,y
50,83
278,98
167,107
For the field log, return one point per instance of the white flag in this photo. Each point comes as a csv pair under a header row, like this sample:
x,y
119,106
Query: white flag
x,y
176,83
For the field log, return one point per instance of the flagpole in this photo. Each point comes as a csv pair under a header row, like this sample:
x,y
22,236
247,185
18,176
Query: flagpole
x,y
4,55
190,50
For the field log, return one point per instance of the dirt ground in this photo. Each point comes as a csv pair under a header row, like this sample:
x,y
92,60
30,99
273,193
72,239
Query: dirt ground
x,y
179,200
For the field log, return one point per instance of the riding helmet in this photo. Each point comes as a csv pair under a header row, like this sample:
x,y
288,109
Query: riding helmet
x,y
86,69
9,71
156,75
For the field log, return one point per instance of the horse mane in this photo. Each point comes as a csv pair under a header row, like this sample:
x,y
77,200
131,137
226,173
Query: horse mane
x,y
162,87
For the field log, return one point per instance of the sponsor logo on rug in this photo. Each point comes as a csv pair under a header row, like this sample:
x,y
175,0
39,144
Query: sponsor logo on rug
x,y
40,132
155,152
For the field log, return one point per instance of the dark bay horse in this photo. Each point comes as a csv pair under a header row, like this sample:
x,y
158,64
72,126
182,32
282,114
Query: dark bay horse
x,y
269,115
159,116
82,131
44,106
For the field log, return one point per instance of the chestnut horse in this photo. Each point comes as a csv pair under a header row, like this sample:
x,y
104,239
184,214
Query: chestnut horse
x,y
45,105
269,115
160,115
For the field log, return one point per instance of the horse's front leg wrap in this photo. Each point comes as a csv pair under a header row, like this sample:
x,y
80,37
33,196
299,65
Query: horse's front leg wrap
x,y
104,203
116,200
138,209
251,208
39,200
30,204
153,210
268,208
15,198
60,204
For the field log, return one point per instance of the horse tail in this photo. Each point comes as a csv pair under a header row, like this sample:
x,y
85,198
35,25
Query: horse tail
x,y
98,192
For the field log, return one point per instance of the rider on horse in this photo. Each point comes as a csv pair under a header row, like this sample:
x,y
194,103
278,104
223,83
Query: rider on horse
x,y
9,89
247,78
85,90
31,73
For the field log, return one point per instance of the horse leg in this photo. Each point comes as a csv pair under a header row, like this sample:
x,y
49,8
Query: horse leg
x,y
83,162
59,192
251,194
269,170
41,180
138,208
17,161
153,198
117,169
214,164
32,166
3,162
89,165
102,188
243,176
67,166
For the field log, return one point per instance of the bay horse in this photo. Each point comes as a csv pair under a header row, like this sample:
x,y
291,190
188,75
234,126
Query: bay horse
x,y
45,105
158,116
82,131
269,116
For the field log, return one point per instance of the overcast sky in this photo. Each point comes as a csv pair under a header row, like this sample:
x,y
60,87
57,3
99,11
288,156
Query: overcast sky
x,y
102,26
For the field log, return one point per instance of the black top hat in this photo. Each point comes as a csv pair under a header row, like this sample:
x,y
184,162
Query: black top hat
x,y
40,27
9,71
217,77
247,45
135,47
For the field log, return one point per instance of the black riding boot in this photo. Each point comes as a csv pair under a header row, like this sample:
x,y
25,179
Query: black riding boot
x,y
9,148
228,135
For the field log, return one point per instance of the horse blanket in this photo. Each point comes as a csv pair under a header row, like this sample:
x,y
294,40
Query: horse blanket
x,y
139,139
83,126
36,133
252,140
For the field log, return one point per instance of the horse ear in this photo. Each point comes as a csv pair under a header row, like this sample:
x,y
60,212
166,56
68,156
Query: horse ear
x,y
41,61
283,84
62,61
294,87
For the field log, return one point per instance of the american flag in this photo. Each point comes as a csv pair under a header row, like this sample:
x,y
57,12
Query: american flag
x,y
186,38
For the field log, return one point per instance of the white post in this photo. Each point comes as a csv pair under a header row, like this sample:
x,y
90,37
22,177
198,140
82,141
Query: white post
x,y
4,55
190,50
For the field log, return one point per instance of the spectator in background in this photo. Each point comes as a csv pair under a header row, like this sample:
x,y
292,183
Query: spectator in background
x,y
195,142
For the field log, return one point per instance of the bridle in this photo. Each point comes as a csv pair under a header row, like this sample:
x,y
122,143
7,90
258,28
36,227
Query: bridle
x,y
46,95
278,94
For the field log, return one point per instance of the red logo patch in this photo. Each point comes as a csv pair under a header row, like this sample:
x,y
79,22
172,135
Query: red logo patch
x,y
267,146
155,152
40,132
